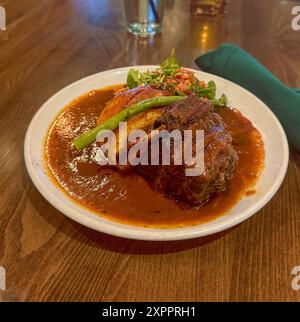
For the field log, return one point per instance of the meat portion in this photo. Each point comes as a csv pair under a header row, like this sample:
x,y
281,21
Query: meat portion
x,y
220,158
192,113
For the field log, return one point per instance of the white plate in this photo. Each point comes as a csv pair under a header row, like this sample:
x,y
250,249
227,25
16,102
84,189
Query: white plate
x,y
276,160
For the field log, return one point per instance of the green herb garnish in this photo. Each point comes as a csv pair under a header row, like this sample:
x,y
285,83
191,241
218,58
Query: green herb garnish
x,y
155,78
167,77
209,92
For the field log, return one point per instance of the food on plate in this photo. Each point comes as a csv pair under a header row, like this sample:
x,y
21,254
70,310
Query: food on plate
x,y
170,98
125,114
175,80
220,158
127,97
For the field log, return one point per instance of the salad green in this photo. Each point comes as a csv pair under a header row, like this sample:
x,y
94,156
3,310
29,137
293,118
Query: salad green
x,y
179,81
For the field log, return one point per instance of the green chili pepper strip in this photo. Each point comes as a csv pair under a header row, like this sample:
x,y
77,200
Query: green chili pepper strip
x,y
112,123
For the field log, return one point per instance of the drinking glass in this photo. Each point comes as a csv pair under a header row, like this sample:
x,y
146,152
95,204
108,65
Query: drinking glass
x,y
209,7
144,17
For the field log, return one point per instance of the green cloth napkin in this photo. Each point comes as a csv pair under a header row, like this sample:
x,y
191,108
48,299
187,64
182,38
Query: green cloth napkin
x,y
233,63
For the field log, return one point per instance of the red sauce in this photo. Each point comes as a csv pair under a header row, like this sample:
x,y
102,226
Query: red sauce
x,y
129,198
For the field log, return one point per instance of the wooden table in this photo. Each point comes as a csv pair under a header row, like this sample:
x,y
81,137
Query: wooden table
x,y
51,43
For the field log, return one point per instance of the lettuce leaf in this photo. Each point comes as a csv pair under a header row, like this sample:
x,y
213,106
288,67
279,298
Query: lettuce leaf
x,y
133,78
168,69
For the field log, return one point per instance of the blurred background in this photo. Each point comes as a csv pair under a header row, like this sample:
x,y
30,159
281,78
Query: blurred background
x,y
93,34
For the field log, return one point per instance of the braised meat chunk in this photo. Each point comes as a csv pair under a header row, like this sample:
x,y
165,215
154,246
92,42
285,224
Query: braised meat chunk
x,y
220,158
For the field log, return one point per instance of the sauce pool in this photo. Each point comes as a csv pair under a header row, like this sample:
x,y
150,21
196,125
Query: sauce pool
x,y
129,199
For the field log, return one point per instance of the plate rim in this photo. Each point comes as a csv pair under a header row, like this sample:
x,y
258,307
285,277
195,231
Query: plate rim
x,y
153,234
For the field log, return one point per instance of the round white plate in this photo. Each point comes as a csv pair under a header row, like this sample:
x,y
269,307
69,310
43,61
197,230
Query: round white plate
x,y
276,160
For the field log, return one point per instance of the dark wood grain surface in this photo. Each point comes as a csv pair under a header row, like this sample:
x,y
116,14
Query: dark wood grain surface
x,y
50,43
